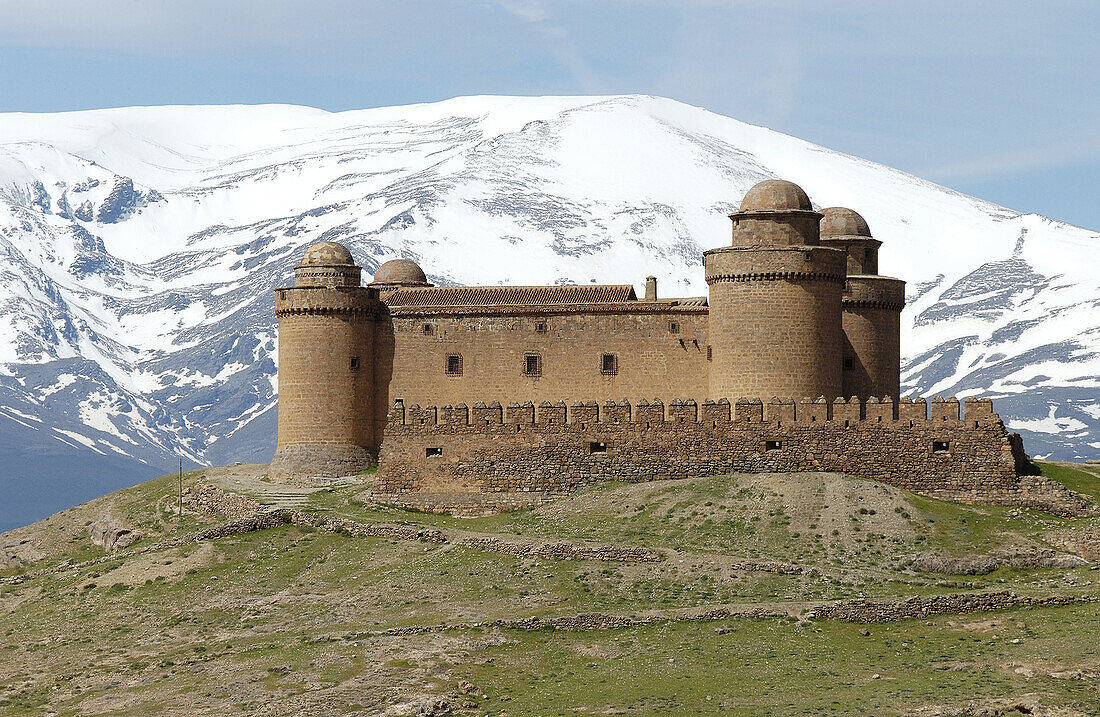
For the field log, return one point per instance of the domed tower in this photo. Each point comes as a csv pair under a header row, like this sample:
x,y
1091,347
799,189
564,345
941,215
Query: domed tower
x,y
775,322
872,309
326,368
399,272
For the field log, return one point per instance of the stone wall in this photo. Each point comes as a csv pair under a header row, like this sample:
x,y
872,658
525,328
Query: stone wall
x,y
326,378
659,350
775,321
872,336
555,448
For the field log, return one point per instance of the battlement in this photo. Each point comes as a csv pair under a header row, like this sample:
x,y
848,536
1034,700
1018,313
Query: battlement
x,y
905,413
943,447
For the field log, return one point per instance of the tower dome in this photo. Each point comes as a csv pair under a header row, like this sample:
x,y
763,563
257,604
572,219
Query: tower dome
x,y
328,264
400,271
843,228
327,253
843,222
776,195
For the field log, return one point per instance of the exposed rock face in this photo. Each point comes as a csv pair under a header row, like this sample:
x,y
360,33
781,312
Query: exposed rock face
x,y
985,564
111,535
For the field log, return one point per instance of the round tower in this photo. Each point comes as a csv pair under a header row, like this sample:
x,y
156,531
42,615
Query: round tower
x,y
326,368
775,323
872,304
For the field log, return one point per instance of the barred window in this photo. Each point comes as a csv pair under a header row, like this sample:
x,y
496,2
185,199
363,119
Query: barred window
x,y
609,364
454,365
427,328
532,365
541,327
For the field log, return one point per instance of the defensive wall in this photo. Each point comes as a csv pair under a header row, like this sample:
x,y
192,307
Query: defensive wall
x,y
554,448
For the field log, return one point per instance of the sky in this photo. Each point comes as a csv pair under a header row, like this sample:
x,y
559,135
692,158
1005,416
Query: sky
x,y
1000,100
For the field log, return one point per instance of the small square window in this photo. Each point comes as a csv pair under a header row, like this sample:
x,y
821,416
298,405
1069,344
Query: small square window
x,y
429,452
454,365
849,363
427,328
354,363
532,365
597,447
941,446
541,327
674,327
609,364
710,354
773,445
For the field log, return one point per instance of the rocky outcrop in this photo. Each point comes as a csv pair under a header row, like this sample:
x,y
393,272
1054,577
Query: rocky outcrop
x,y
112,535
985,564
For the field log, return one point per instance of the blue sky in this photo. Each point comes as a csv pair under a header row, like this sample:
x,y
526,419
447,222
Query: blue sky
x,y
996,99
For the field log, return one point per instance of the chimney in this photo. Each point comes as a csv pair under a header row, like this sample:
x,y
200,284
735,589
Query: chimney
x,y
651,288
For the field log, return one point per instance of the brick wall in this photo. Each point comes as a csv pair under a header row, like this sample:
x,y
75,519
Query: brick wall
x,y
554,447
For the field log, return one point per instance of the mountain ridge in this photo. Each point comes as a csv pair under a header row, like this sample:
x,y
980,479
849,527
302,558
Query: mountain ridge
x,y
143,243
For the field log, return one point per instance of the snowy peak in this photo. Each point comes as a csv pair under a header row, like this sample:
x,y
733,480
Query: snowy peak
x,y
141,246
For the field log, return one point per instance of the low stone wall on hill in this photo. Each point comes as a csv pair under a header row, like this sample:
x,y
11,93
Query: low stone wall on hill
x,y
927,447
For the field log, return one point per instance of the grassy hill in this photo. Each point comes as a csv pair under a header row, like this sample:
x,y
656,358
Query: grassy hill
x,y
684,597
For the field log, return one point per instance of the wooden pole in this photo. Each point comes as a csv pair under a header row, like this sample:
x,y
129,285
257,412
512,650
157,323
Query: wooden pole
x,y
181,489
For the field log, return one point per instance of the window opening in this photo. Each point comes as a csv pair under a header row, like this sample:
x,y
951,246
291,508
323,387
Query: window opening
x,y
354,364
773,445
429,452
597,447
426,328
532,365
454,365
941,446
541,327
609,365
849,363
674,327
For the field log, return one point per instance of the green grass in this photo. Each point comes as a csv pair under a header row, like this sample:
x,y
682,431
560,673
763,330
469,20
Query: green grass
x,y
781,667
1083,479
289,619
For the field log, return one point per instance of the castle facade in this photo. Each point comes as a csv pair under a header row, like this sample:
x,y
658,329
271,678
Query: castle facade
x,y
798,334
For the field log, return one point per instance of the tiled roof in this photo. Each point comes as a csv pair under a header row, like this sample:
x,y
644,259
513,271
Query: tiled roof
x,y
442,296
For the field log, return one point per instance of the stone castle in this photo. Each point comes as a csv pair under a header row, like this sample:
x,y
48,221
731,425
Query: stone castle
x,y
791,363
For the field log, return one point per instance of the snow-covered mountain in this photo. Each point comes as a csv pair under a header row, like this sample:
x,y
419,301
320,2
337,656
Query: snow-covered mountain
x,y
141,245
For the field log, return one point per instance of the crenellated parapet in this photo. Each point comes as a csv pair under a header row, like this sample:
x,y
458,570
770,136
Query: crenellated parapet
x,y
942,447
361,301
905,413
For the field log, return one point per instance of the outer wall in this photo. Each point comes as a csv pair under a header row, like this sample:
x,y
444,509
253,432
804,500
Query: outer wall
x,y
650,360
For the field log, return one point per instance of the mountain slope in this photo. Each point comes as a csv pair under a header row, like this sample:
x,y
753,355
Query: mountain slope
x,y
141,246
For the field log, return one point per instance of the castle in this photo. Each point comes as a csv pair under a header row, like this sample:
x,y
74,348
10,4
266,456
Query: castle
x,y
791,363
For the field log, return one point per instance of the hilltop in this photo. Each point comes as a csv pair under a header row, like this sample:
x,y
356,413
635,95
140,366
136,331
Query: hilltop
x,y
795,594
